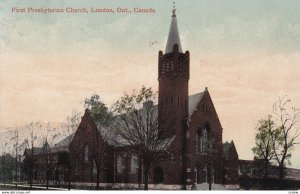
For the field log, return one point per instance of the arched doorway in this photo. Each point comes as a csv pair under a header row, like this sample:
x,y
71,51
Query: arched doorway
x,y
158,175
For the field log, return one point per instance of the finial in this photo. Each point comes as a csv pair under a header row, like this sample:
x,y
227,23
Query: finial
x,y
174,9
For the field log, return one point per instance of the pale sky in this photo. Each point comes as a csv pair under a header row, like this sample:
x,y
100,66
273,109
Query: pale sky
x,y
246,52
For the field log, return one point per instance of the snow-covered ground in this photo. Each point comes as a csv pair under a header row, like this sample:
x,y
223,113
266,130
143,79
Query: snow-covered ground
x,y
119,186
205,186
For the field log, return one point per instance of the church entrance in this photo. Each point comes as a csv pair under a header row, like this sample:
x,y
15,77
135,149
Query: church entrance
x,y
158,175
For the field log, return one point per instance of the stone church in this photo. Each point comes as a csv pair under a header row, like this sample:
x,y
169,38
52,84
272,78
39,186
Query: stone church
x,y
194,122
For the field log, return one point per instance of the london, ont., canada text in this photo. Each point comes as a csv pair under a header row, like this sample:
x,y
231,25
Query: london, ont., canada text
x,y
84,10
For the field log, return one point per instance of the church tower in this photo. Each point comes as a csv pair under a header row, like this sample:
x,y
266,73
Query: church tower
x,y
173,77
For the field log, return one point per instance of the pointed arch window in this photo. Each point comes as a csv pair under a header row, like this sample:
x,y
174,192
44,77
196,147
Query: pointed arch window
x,y
205,174
94,167
120,166
76,166
202,139
86,152
134,164
213,175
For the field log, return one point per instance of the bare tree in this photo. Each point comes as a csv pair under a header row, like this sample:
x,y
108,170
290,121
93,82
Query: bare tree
x,y
30,146
16,154
287,132
137,127
72,124
45,151
265,138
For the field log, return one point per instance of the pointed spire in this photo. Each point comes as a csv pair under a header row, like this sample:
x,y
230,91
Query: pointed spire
x,y
173,37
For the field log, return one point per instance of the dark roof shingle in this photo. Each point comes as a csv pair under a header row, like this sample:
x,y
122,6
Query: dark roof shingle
x,y
194,101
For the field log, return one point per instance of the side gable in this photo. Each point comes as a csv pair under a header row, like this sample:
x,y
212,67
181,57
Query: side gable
x,y
229,151
86,133
65,142
201,105
233,149
88,150
203,113
230,163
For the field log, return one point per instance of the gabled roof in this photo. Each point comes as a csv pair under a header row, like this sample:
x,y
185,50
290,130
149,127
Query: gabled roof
x,y
106,133
65,142
112,139
194,101
63,145
36,150
46,147
109,136
226,149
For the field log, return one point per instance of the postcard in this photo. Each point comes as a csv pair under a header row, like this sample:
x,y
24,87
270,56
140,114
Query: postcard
x,y
158,95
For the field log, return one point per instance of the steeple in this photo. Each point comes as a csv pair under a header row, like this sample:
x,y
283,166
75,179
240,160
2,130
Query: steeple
x,y
173,34
173,92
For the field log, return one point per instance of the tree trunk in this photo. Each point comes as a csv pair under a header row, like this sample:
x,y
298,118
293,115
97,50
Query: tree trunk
x,y
98,178
266,174
140,174
281,172
281,175
47,182
209,179
146,174
47,171
31,168
97,161
209,170
69,173
31,177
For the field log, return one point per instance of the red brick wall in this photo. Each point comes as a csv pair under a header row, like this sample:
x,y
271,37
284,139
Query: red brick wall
x,y
173,77
87,134
196,159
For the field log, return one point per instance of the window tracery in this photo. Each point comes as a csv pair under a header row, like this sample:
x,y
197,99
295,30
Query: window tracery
x,y
202,139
